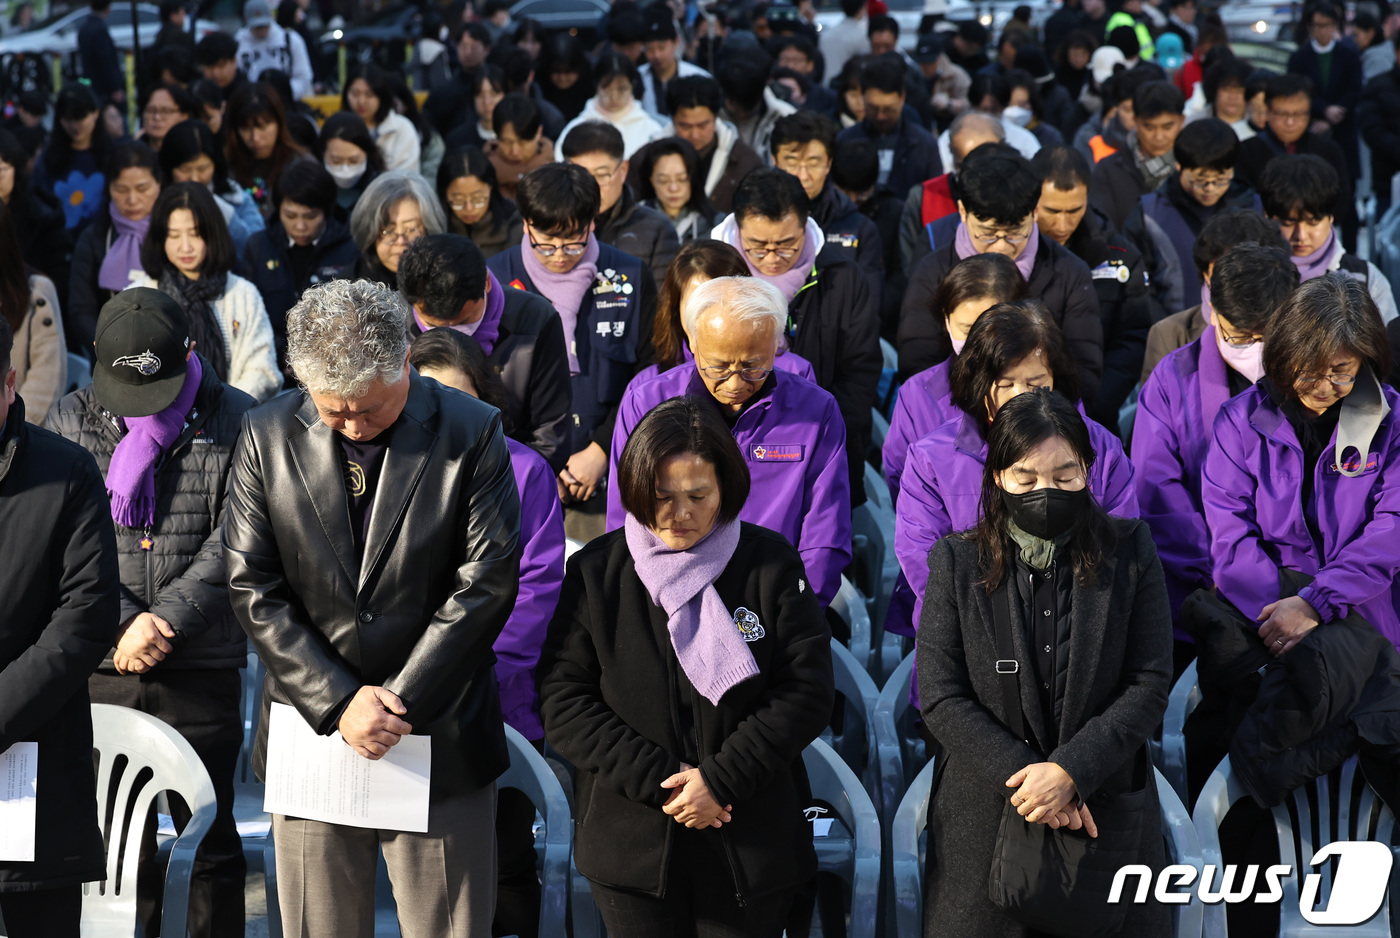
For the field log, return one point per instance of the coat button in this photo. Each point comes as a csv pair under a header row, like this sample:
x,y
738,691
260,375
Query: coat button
x,y
1047,649
366,617
48,321
1046,612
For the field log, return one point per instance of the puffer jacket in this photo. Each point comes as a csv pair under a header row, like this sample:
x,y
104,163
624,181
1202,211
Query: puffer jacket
x,y
181,577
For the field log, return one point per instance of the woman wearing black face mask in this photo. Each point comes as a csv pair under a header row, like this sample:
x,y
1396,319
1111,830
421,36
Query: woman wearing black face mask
x,y
1053,748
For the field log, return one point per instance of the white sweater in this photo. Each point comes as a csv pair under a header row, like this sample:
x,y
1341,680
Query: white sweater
x,y
398,142
248,341
637,127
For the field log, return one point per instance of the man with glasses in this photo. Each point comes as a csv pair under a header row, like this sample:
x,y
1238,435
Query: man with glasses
x,y
833,320
1179,401
789,430
908,152
606,300
998,192
622,221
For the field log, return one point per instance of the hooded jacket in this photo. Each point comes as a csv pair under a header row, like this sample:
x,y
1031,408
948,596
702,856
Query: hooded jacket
x,y
283,49
758,131
856,236
181,577
641,231
636,126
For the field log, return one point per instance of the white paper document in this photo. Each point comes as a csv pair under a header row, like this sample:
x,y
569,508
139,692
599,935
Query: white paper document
x,y
19,785
320,778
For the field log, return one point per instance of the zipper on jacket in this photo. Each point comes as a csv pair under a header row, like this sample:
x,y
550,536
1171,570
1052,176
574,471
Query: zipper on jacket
x,y
723,838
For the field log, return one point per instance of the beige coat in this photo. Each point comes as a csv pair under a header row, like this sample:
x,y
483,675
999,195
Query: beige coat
x,y
40,356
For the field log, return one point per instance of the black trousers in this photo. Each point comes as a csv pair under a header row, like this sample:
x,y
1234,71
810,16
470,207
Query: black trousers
x,y
700,900
517,884
43,913
203,707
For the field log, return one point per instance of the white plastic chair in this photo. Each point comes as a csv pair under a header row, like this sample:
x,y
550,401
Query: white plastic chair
x,y
1183,847
530,774
849,606
1185,697
879,429
855,685
127,742
888,356
850,848
1347,809
877,490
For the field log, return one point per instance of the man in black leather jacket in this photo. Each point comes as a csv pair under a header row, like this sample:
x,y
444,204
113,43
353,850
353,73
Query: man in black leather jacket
x,y
372,548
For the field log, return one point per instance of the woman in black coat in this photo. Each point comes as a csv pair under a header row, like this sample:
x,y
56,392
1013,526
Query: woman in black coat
x,y
687,728
1091,633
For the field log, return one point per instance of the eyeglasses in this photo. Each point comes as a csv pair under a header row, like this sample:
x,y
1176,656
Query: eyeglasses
x,y
605,176
572,249
477,202
813,164
1290,115
1210,185
721,375
1341,381
389,234
1240,341
993,237
758,254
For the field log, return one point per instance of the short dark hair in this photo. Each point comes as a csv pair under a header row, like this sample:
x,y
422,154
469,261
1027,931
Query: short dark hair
x,y
184,101
802,128
972,31
306,182
1287,85
168,9
852,8
219,255
1226,73
442,273
1155,98
519,112
558,198
1299,183
449,349
883,23
1062,166
694,91
770,193
1325,316
981,276
1125,39
1001,337
1229,228
130,154
799,42
1209,143
1327,9
189,140
997,184
742,79
884,73
347,126
983,85
673,428
855,166
1250,283
215,48
488,74
516,67
593,137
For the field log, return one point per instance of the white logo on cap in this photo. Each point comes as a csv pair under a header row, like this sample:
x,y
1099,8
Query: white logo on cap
x,y
146,363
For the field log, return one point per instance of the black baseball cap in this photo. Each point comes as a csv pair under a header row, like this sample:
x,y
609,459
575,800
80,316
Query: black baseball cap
x,y
659,22
143,338
928,50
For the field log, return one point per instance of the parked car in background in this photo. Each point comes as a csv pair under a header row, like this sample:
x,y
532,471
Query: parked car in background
x,y
58,34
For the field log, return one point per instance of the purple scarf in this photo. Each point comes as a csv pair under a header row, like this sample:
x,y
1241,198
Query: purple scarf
x,y
485,330
125,254
131,477
962,244
708,645
787,283
1207,311
1317,263
564,291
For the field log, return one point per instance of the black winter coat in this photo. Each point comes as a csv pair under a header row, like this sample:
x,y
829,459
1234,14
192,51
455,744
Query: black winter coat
x,y
85,297
640,231
916,156
1256,152
849,231
1378,116
58,577
181,578
616,703
98,55
1116,187
419,614
1059,280
530,359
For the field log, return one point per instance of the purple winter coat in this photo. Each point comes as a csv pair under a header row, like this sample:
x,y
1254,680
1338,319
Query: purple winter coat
x,y
517,648
788,361
1252,491
924,404
1171,435
794,441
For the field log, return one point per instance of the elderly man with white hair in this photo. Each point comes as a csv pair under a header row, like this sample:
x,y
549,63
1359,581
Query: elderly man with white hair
x,y
789,429
371,543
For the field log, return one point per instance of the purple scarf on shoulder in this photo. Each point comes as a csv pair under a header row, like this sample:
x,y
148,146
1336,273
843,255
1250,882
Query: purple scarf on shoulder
x,y
962,244
131,477
124,256
1316,263
706,639
564,291
487,329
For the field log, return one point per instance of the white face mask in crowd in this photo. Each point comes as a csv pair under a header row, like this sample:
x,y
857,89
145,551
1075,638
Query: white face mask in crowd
x,y
1020,116
348,174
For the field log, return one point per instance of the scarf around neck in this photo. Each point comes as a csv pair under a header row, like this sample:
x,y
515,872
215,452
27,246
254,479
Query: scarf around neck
x,y
1025,263
485,330
124,255
196,298
1037,552
708,645
1316,263
790,282
1155,169
564,291
131,475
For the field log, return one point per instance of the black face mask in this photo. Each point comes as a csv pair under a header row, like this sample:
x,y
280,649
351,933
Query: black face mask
x,y
1046,513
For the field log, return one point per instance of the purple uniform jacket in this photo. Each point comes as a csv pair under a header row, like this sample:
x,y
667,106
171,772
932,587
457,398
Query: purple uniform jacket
x,y
794,442
1171,435
517,648
1252,491
787,361
924,404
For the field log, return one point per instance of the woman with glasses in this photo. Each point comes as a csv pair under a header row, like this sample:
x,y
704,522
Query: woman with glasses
x,y
370,96
664,183
163,107
1301,473
606,300
616,103
351,156
1011,349
467,189
396,210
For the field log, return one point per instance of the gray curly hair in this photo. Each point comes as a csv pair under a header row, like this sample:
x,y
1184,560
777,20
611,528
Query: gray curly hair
x,y
344,334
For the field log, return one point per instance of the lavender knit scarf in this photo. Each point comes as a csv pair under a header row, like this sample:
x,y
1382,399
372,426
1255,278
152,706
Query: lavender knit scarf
x,y
790,282
1025,263
1316,263
564,291
124,255
131,477
707,643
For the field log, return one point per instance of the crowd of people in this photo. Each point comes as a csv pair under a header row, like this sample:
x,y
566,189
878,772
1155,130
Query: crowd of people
x,y
340,388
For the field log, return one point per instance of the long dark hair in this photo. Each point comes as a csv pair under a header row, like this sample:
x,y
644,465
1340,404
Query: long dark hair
x,y
251,105
347,126
74,101
12,152
1021,425
470,161
14,275
378,81
218,244
188,140
700,258
1001,337
981,276
675,146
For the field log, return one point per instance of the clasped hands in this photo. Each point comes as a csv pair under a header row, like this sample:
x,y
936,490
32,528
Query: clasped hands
x,y
1285,623
144,642
370,724
690,801
1045,795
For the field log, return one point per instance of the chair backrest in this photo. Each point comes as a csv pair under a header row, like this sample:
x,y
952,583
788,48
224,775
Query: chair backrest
x,y
889,358
849,606
531,774
250,707
1183,847
902,751
907,852
849,849
875,567
138,757
879,428
1185,697
858,750
877,489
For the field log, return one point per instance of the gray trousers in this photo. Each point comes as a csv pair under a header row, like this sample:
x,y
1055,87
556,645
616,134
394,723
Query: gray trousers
x,y
444,881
